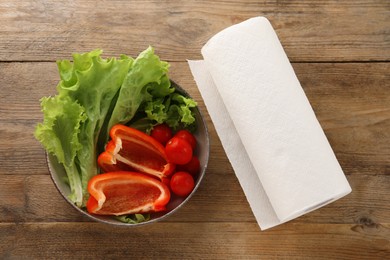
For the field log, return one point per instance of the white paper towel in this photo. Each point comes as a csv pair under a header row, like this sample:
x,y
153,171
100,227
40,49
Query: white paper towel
x,y
268,129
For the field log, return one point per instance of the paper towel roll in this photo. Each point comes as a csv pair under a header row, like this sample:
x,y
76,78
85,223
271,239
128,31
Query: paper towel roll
x,y
253,82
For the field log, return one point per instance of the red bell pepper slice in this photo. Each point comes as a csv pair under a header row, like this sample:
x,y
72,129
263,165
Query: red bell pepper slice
x,y
120,193
133,150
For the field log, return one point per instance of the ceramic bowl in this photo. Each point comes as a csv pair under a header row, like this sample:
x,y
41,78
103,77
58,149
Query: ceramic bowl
x,y
58,176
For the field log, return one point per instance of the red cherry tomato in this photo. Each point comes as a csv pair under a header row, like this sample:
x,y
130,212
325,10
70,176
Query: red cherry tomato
x,y
162,133
182,183
186,135
178,151
192,167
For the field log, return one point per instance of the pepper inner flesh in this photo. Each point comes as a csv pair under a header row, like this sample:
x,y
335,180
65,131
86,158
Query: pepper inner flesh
x,y
139,154
128,195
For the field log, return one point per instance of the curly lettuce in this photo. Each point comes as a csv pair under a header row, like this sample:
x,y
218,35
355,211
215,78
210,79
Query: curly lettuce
x,y
175,110
146,79
93,95
59,134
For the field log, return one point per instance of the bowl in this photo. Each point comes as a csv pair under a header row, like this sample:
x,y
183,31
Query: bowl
x,y
58,175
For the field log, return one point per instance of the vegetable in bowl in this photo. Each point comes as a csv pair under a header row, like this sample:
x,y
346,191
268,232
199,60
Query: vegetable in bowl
x,y
94,94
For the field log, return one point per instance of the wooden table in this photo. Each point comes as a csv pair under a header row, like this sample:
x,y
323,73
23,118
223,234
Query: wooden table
x,y
340,51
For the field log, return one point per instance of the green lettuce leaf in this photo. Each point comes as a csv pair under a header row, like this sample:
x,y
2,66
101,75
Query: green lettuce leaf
x,y
133,218
93,95
156,110
175,110
93,82
59,135
145,79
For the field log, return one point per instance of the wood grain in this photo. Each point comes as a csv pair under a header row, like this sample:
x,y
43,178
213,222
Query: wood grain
x,y
309,30
351,101
207,241
219,199
340,52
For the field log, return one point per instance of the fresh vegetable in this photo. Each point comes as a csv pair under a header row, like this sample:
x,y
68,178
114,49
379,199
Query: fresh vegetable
x,y
186,135
120,193
133,218
162,133
95,94
182,183
133,150
174,110
87,83
146,81
59,134
193,167
178,151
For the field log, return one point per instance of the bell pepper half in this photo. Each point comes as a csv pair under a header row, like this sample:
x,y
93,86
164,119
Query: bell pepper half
x,y
121,193
133,150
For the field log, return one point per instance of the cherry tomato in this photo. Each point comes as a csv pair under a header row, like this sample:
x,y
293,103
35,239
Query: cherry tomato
x,y
182,183
192,167
162,133
178,151
186,135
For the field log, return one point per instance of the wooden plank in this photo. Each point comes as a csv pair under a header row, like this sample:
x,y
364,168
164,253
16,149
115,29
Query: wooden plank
x,y
340,51
309,30
219,199
350,100
207,241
